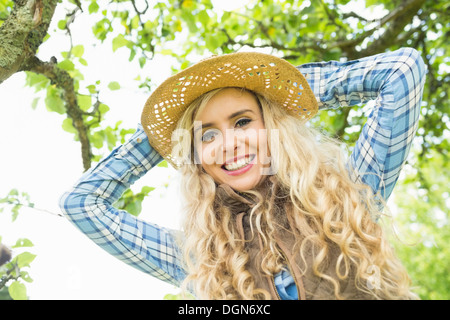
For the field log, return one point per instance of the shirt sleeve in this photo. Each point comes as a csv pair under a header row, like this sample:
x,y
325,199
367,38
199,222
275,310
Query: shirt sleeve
x,y
395,82
89,206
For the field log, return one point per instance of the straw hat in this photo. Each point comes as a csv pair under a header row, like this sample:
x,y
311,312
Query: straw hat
x,y
272,77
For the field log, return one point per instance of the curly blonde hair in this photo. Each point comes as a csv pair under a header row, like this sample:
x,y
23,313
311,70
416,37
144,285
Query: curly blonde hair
x,y
324,207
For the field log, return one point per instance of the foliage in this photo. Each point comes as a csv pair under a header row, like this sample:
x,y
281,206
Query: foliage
x,y
17,200
424,228
131,202
14,273
299,31
179,296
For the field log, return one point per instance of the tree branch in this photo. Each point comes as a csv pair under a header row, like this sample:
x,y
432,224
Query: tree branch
x,y
395,20
22,33
272,44
64,81
398,19
20,37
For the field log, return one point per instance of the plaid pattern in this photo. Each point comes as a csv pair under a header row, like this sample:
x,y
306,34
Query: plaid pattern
x,y
89,205
394,80
285,284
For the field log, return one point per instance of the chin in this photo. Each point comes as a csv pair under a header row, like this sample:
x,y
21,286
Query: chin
x,y
248,184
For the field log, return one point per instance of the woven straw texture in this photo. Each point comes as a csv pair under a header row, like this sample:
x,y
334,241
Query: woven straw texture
x,y
272,77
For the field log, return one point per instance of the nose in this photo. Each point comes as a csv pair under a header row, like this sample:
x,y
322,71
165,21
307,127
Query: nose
x,y
232,140
229,141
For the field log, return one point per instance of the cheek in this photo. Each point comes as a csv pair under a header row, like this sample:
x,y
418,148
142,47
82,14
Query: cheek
x,y
264,156
206,154
253,138
263,145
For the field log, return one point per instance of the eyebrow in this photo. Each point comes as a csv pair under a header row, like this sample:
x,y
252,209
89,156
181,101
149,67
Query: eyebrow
x,y
231,116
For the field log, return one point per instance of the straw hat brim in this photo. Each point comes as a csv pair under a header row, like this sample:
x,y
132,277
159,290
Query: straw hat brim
x,y
272,77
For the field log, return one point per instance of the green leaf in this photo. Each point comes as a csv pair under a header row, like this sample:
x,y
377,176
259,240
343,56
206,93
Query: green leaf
x,y
24,259
163,164
179,296
114,85
189,18
54,104
53,101
97,139
211,42
92,89
132,54
23,242
135,22
142,61
38,81
34,103
146,190
119,42
203,17
15,211
83,61
66,65
103,108
93,7
134,208
111,138
25,276
78,51
62,24
67,126
370,3
17,291
84,102
170,296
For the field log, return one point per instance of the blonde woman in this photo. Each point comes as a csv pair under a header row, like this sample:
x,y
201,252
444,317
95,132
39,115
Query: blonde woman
x,y
273,209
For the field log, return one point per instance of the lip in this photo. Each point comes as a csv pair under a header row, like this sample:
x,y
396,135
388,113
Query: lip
x,y
237,158
241,170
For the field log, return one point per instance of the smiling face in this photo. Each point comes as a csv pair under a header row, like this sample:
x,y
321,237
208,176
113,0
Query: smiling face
x,y
230,139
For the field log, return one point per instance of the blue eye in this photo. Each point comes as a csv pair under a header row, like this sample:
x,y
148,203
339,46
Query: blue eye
x,y
242,122
209,135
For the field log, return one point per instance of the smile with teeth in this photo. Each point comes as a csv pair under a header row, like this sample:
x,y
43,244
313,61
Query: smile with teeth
x,y
239,164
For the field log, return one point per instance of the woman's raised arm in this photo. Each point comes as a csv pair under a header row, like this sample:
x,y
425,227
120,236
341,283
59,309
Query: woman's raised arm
x,y
89,206
395,81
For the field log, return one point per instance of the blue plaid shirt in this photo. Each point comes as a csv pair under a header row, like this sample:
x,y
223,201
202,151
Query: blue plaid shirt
x,y
393,80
